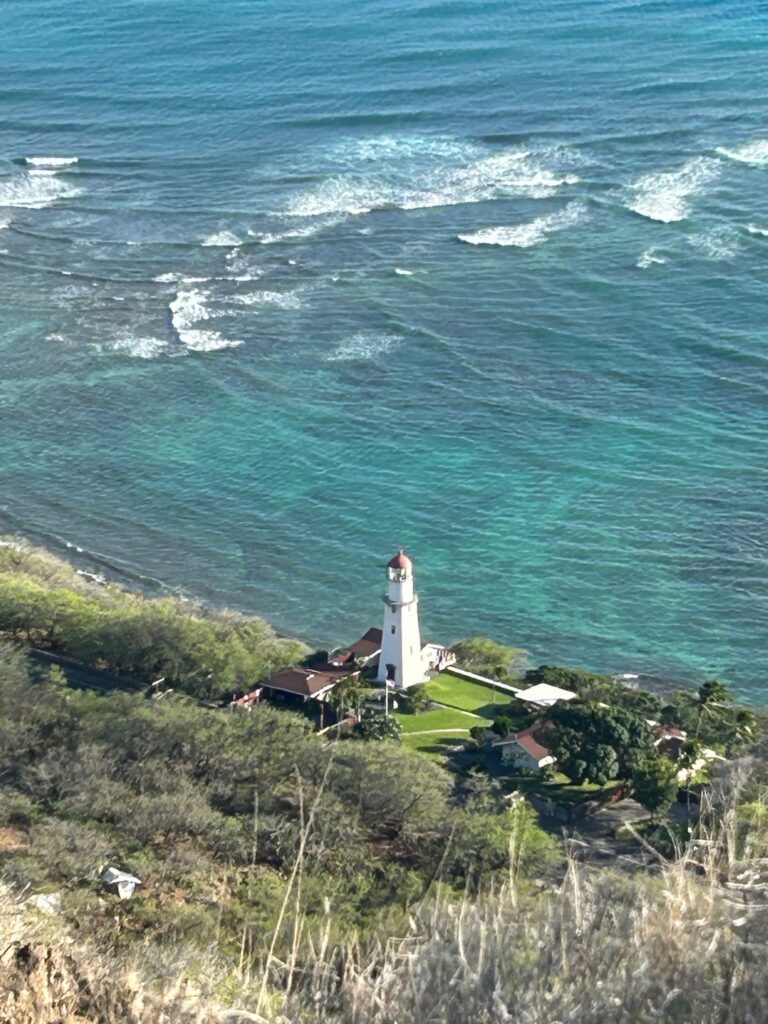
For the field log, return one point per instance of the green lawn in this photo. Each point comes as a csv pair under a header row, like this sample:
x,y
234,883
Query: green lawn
x,y
432,746
435,733
441,719
460,693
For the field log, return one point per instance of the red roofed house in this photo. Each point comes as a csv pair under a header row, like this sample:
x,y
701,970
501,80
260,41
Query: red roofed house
x,y
523,750
308,683
364,649
668,739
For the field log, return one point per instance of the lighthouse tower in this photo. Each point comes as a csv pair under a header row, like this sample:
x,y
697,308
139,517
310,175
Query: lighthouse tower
x,y
400,660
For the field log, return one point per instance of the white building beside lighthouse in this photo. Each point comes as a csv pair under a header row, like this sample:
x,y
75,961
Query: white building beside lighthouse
x,y
401,660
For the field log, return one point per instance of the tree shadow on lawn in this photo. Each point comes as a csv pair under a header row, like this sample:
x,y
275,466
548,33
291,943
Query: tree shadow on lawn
x,y
440,746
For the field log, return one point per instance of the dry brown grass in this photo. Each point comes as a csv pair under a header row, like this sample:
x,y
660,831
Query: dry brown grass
x,y
686,946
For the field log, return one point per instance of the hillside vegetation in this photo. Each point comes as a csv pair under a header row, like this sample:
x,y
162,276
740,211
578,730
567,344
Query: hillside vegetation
x,y
294,878
685,946
44,602
213,810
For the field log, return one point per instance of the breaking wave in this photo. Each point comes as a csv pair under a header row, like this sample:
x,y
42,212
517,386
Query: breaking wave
x,y
364,345
664,197
721,243
173,278
140,348
753,229
534,233
649,258
50,161
755,153
402,272
305,231
188,309
412,174
285,300
33,190
227,238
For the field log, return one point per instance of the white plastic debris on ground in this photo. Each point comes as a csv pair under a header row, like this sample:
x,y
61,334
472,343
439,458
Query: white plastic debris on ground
x,y
121,882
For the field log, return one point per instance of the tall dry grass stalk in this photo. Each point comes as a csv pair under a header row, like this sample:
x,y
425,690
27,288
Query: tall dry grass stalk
x,y
686,944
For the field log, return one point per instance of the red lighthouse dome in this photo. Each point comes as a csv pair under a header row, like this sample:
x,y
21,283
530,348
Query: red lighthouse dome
x,y
400,561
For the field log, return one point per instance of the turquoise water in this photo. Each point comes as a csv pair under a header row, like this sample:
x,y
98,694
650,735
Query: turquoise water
x,y
486,279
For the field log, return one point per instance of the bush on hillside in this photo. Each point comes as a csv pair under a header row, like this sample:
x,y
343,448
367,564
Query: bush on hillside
x,y
489,658
44,603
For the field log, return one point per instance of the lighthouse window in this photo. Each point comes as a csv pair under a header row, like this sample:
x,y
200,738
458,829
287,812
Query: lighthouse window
x,y
393,629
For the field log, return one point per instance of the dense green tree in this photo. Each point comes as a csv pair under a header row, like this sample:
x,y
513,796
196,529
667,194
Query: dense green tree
x,y
579,732
208,654
417,700
596,687
490,658
588,685
487,841
347,696
379,727
655,784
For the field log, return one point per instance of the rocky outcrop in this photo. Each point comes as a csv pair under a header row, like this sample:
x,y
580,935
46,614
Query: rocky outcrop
x,y
47,978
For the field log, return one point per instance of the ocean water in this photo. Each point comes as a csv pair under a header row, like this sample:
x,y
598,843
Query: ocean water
x,y
286,284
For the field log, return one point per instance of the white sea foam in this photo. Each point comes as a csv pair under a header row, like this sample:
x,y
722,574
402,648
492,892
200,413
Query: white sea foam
x,y
34,191
649,258
720,243
305,231
285,300
140,348
187,310
403,272
664,197
755,153
173,278
228,238
533,233
403,148
50,161
412,174
753,229
364,345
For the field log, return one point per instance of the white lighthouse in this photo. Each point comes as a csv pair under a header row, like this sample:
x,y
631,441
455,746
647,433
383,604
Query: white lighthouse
x,y
401,660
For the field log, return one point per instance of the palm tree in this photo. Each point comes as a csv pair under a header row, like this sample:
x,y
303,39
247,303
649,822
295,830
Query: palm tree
x,y
712,698
346,695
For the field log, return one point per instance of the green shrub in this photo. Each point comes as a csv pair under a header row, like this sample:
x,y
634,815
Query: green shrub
x,y
379,727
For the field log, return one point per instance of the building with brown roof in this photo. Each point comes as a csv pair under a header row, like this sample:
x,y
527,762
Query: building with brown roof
x,y
523,750
364,649
308,683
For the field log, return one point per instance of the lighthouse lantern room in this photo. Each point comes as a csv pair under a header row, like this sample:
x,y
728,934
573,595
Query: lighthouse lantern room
x,y
401,660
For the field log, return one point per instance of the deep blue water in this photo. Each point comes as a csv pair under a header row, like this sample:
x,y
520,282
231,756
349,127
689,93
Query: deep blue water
x,y
486,279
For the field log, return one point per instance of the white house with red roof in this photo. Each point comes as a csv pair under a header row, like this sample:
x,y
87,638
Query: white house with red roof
x,y
523,750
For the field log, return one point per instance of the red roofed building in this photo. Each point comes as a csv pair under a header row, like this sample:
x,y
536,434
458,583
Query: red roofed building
x,y
304,682
669,739
364,649
523,750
